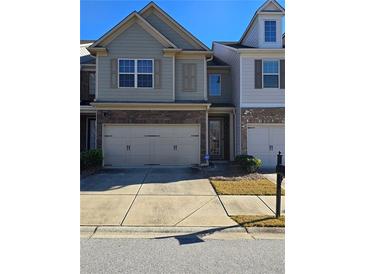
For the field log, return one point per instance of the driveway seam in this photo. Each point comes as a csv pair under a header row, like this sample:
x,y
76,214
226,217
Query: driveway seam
x,y
265,204
219,198
96,227
135,197
193,212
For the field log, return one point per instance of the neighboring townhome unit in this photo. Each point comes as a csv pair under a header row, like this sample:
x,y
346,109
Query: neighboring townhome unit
x,y
159,95
257,63
87,95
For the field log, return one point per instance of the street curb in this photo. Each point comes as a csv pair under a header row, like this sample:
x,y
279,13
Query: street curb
x,y
136,229
266,230
87,228
181,230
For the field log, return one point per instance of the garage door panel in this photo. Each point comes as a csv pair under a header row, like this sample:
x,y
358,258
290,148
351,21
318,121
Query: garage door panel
x,y
139,146
278,134
258,136
265,141
151,144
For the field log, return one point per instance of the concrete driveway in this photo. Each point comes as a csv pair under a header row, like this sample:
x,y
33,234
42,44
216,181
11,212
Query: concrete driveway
x,y
151,197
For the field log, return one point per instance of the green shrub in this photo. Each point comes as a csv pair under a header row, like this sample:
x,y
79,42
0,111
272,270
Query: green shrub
x,y
249,163
91,159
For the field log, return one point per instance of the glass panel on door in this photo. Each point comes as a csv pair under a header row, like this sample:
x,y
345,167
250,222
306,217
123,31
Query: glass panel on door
x,y
215,138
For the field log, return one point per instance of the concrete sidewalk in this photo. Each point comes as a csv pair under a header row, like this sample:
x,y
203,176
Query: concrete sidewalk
x,y
251,204
163,197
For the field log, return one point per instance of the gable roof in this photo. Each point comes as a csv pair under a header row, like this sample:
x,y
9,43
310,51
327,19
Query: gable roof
x,y
121,26
175,24
86,42
265,7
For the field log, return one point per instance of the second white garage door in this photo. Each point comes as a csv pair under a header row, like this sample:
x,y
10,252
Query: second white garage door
x,y
133,145
265,141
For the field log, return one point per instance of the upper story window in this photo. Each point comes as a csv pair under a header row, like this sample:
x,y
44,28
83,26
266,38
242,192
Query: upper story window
x,y
92,83
136,73
270,31
214,84
270,73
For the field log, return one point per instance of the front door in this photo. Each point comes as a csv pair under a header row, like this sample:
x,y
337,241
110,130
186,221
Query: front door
x,y
216,139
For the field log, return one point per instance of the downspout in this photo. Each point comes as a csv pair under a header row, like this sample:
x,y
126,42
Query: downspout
x,y
206,116
206,139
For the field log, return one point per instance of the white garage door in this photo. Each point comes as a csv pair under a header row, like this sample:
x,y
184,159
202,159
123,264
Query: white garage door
x,y
130,145
265,141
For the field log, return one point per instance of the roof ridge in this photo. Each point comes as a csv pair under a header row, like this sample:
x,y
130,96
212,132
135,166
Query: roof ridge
x,y
183,29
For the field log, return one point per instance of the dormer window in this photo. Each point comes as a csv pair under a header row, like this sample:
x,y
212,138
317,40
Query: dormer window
x,y
270,31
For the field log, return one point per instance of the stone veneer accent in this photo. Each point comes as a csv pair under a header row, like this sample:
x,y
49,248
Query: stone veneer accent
x,y
153,117
259,116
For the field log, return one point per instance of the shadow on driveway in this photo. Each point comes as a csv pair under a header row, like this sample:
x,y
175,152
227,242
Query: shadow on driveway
x,y
111,179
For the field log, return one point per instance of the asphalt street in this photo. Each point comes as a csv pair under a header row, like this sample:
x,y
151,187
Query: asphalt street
x,y
182,255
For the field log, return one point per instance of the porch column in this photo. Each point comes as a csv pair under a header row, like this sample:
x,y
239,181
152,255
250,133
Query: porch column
x,y
206,136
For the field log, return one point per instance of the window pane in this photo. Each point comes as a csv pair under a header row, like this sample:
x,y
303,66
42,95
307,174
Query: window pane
x,y
271,81
92,83
144,66
126,80
145,80
126,66
214,85
91,132
271,66
270,31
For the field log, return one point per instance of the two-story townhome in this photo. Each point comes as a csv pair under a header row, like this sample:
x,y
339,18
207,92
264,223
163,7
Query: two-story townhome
x,y
257,63
153,94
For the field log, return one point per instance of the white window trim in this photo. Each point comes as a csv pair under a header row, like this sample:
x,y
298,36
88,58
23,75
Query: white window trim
x,y
135,73
220,84
263,73
276,30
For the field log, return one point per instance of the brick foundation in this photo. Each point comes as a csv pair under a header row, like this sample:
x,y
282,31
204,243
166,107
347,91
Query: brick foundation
x,y
153,117
259,116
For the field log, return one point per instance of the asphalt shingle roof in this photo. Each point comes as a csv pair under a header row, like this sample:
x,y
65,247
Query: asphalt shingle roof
x,y
85,57
216,62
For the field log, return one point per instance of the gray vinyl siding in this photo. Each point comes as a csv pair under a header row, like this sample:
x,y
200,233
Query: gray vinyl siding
x,y
134,42
233,59
250,95
252,39
198,94
226,86
169,32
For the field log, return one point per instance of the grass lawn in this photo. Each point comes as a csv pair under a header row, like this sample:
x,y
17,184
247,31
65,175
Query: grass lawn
x,y
259,186
259,221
